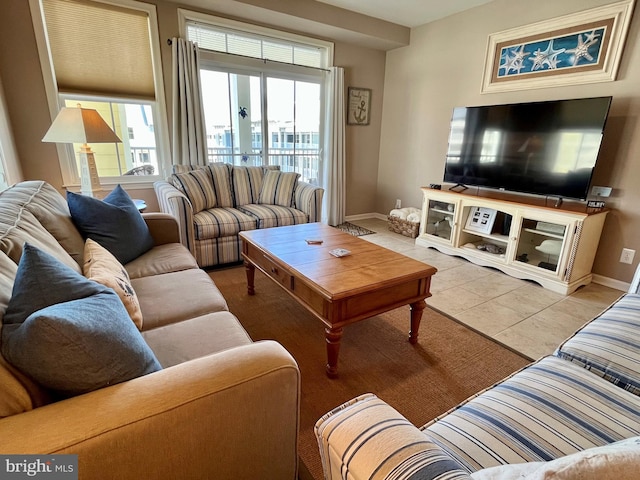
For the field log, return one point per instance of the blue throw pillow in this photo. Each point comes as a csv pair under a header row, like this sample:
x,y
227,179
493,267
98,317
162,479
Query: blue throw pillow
x,y
115,223
70,334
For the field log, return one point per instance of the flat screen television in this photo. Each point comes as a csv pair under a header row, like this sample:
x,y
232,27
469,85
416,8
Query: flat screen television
x,y
545,148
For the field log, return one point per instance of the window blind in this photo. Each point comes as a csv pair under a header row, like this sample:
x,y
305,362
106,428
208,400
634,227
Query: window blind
x,y
99,48
226,40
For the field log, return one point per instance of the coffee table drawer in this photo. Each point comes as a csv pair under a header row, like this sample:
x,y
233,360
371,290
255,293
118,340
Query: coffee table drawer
x,y
272,269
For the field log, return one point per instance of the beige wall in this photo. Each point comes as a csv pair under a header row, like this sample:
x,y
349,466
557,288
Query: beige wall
x,y
403,148
442,68
364,67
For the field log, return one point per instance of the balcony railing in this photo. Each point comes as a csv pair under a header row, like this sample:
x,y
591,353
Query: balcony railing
x,y
305,162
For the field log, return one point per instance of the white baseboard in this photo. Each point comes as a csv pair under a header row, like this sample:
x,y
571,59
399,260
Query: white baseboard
x,y
610,282
364,216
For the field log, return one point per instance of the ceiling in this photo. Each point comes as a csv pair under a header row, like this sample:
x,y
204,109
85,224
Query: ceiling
x,y
410,13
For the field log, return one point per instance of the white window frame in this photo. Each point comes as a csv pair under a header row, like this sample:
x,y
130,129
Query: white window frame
x,y
10,172
255,66
187,16
66,155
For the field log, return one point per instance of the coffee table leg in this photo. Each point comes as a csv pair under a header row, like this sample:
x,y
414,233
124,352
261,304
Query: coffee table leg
x,y
333,337
416,316
251,271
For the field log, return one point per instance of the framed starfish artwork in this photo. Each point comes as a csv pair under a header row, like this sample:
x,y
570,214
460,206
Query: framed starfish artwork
x,y
583,47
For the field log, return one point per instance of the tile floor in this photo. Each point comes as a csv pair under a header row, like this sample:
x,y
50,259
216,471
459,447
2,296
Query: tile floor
x,y
517,313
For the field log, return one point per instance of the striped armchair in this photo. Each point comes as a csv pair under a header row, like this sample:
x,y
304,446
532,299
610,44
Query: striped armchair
x,y
213,204
562,411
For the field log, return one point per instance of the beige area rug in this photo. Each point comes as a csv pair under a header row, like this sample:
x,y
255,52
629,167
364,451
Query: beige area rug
x,y
449,363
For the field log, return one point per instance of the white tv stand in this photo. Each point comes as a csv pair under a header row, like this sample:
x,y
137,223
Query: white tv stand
x,y
551,246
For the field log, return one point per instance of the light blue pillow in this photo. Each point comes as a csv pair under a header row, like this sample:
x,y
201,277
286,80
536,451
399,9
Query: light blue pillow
x,y
70,334
114,222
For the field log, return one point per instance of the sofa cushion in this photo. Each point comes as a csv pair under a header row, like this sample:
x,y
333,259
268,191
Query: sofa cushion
x,y
616,461
221,173
196,337
609,345
197,185
221,222
269,216
196,292
102,267
19,226
278,188
70,334
115,223
547,410
51,210
184,168
14,397
247,183
166,258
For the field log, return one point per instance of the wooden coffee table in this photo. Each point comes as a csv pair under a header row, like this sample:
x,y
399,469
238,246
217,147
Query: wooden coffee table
x,y
337,290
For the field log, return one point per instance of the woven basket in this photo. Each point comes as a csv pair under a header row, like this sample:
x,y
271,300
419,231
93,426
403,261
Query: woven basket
x,y
403,227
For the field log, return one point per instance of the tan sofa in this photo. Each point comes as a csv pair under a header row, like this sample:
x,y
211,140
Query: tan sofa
x,y
223,406
212,233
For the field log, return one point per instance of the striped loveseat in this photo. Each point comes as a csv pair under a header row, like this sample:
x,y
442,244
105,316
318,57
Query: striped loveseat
x,y
214,203
571,415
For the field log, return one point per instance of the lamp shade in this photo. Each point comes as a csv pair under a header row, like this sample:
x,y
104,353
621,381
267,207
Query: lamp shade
x,y
80,125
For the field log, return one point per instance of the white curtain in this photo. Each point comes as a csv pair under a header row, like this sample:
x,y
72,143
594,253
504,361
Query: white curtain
x,y
333,208
189,139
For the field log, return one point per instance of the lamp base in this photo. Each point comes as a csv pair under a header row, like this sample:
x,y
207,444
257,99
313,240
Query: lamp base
x,y
89,179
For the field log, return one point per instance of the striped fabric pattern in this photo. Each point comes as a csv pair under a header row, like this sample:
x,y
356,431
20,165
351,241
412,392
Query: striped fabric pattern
x,y
278,188
221,173
218,251
376,442
175,203
308,198
547,410
212,238
197,185
247,182
268,216
185,168
609,345
221,222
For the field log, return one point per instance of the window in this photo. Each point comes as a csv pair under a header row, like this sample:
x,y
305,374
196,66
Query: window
x,y
104,54
257,112
9,168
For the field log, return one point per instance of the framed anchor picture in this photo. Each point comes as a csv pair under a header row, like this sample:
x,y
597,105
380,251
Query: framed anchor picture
x,y
583,47
358,106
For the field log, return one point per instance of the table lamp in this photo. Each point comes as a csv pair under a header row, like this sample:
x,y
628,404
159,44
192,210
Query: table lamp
x,y
82,125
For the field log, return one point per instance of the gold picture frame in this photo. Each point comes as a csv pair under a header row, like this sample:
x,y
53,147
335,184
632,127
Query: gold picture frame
x,y
583,47
358,106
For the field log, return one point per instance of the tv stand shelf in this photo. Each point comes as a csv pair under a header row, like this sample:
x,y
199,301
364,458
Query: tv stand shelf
x,y
551,246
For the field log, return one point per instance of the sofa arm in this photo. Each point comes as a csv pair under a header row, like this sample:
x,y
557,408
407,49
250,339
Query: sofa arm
x,y
366,438
175,203
233,414
162,227
309,200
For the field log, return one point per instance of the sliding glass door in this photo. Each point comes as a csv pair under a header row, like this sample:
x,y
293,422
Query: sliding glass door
x,y
261,119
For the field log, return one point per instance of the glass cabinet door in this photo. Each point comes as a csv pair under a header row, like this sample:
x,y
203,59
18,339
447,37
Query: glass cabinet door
x,y
540,243
440,219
